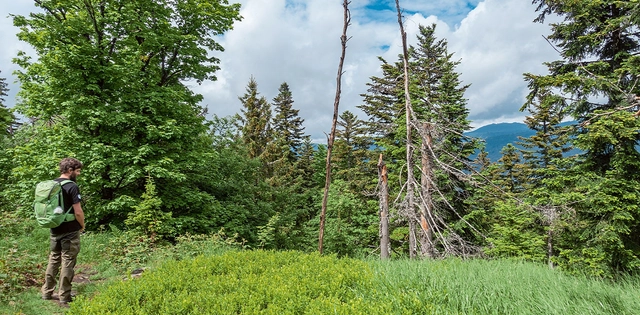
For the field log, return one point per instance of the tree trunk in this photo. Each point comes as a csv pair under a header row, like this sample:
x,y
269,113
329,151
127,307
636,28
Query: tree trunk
x,y
384,210
411,215
550,215
332,135
426,217
550,246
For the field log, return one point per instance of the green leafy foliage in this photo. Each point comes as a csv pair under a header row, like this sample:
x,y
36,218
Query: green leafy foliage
x,y
351,226
108,88
147,217
517,233
254,282
260,282
22,263
6,117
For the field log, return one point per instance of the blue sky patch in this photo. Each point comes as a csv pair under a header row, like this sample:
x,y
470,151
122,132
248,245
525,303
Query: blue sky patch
x,y
452,11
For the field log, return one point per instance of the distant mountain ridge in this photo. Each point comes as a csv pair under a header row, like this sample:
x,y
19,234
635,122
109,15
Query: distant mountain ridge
x,y
497,136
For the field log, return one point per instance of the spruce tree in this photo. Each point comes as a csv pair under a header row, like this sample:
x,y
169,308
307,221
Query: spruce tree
x,y
287,124
256,127
597,79
6,117
440,121
551,140
352,152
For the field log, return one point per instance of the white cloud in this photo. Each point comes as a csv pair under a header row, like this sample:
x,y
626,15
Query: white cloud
x,y
298,41
10,44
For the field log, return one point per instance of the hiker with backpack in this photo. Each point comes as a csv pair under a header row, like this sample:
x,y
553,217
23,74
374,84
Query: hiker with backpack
x,y
57,207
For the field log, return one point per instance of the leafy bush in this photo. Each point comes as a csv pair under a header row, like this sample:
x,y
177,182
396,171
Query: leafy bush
x,y
190,246
129,249
255,282
263,282
18,270
23,258
147,217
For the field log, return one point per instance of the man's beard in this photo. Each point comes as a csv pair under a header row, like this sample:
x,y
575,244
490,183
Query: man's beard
x,y
72,177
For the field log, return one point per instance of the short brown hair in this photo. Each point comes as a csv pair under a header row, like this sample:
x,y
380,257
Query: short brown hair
x,y
69,164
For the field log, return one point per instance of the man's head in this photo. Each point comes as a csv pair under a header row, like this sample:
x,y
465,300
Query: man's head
x,y
70,167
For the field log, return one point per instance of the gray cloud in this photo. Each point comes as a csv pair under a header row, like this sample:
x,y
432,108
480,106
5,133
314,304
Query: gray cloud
x,y
298,42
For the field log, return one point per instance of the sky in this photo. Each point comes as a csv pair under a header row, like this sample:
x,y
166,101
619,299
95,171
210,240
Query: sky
x,y
298,42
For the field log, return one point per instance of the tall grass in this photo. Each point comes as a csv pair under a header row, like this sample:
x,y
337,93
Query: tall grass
x,y
454,286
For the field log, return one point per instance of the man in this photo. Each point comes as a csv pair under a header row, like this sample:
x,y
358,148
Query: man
x,y
65,239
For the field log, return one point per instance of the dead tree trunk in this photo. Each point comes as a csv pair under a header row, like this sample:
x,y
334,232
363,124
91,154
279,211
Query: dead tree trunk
x,y
426,217
411,215
384,210
550,215
550,246
332,135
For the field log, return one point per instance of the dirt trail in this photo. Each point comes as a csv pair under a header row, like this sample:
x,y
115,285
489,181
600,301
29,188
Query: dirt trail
x,y
82,277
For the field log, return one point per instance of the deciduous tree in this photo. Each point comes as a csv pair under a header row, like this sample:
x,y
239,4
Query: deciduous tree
x,y
108,87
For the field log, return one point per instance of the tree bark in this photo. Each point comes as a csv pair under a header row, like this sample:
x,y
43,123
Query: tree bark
x,y
411,215
426,217
332,135
384,210
550,247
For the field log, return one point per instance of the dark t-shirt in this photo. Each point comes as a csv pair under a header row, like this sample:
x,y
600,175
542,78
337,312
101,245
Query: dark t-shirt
x,y
71,196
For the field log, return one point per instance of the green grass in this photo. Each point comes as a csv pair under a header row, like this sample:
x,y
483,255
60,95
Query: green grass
x,y
201,275
454,286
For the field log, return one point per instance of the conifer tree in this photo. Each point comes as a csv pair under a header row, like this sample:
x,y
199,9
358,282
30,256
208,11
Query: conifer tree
x,y
597,79
6,117
550,140
287,124
6,120
256,128
440,121
352,155
542,155
383,106
442,114
305,163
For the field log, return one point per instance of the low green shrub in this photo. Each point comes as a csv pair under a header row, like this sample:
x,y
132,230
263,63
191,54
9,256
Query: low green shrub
x,y
24,254
18,270
129,249
250,282
193,245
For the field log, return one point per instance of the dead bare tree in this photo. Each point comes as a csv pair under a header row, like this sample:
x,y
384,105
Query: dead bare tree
x,y
409,112
426,218
332,135
384,209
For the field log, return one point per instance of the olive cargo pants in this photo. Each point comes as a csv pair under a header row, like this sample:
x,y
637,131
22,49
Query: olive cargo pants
x,y
64,251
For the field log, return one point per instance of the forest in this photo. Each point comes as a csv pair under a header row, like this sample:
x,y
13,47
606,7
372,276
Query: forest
x,y
108,88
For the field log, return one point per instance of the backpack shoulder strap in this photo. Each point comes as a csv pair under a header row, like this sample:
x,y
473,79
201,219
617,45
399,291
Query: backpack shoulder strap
x,y
68,216
66,181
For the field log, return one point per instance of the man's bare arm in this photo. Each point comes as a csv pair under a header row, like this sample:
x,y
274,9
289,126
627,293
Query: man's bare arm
x,y
77,209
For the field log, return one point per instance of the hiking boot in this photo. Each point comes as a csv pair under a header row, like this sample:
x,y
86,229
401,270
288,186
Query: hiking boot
x,y
47,297
73,297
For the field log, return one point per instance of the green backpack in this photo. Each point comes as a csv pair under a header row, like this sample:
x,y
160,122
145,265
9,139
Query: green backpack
x,y
49,204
